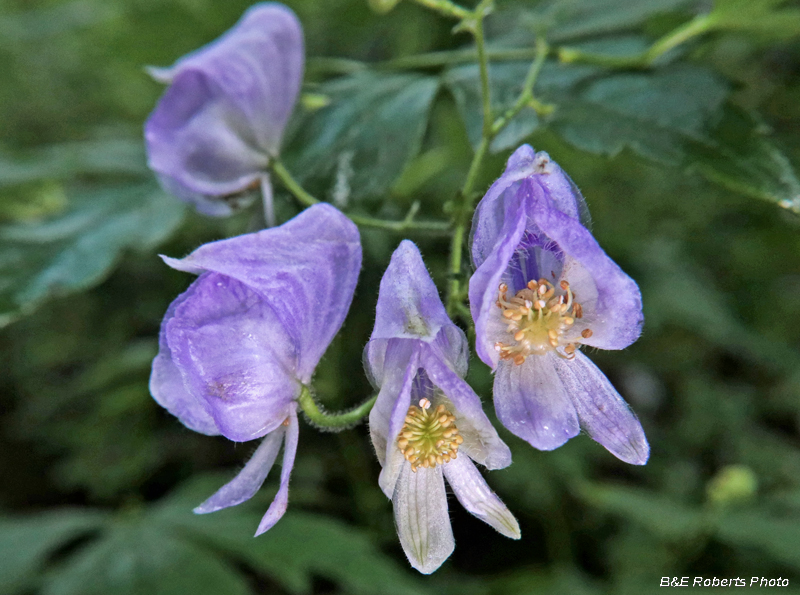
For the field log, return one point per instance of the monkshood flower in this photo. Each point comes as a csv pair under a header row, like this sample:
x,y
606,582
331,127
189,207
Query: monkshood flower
x,y
237,347
427,424
222,118
542,288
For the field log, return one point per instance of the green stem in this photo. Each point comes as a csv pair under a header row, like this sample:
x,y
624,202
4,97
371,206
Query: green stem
x,y
483,64
291,184
526,97
446,8
697,26
407,224
333,421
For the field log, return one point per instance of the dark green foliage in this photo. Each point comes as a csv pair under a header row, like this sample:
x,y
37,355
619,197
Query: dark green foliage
x,y
99,482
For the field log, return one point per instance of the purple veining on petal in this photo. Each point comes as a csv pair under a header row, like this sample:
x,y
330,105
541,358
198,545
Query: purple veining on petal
x,y
248,481
278,507
222,118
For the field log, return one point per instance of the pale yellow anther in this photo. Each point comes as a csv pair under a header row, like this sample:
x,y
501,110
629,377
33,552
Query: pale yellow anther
x,y
429,437
539,318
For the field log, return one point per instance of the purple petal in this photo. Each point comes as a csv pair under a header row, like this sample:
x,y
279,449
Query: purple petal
x,y
603,413
389,413
408,302
259,63
533,403
248,481
167,388
420,514
281,501
213,206
481,441
611,300
306,270
233,353
477,497
223,116
492,212
198,138
484,282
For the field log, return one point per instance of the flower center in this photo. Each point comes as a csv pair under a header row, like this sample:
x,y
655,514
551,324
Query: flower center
x,y
538,317
429,437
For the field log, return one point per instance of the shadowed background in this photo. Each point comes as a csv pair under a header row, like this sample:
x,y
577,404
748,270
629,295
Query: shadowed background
x,y
687,173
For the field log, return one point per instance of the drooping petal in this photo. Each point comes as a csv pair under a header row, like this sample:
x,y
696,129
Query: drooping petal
x,y
484,282
391,408
234,354
533,403
259,62
222,118
409,305
198,138
477,497
420,513
248,481
306,270
603,413
492,212
481,441
281,501
168,389
611,300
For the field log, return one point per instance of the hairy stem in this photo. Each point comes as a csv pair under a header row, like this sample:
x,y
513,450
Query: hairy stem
x,y
333,421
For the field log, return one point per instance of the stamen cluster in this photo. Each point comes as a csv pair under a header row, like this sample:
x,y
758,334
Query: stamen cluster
x,y
429,437
538,316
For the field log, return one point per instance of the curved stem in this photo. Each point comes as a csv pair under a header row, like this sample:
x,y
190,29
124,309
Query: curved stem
x,y
333,421
446,8
407,224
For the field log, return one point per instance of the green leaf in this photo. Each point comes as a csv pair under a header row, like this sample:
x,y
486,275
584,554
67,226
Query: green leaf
x,y
664,517
25,543
137,559
102,157
740,155
355,147
76,250
299,547
778,536
761,17
506,80
570,19
651,113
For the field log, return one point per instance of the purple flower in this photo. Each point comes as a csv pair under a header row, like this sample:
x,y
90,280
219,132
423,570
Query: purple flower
x,y
221,120
543,287
427,424
237,347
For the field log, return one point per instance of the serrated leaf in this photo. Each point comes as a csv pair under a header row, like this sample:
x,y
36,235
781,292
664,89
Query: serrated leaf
x,y
138,559
25,543
295,550
506,80
739,154
355,147
650,113
74,251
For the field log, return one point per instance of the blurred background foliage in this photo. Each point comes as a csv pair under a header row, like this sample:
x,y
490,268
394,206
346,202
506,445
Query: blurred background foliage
x,y
687,168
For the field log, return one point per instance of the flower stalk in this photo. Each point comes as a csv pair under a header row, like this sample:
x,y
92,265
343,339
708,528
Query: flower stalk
x,y
334,422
